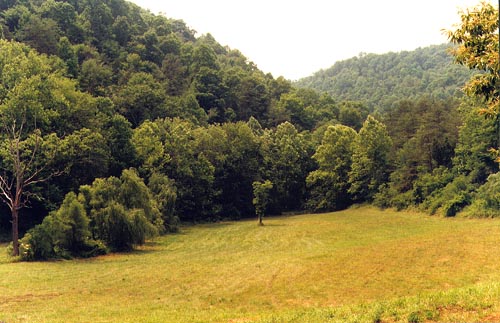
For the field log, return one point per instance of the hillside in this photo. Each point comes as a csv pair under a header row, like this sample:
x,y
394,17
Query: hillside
x,y
136,124
113,47
358,265
382,80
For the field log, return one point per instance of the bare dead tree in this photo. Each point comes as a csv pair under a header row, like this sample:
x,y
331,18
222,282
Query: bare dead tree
x,y
21,171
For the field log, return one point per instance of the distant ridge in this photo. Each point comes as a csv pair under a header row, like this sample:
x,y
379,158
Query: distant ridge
x,y
381,80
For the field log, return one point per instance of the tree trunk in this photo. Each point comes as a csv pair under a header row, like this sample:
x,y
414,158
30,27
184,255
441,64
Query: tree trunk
x,y
15,232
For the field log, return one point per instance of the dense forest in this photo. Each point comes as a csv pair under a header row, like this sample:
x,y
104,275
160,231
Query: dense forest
x,y
380,81
118,125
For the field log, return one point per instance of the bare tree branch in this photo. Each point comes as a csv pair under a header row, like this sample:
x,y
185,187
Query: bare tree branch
x,y
6,191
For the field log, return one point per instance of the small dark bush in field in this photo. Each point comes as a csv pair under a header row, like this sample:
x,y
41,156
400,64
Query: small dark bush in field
x,y
414,317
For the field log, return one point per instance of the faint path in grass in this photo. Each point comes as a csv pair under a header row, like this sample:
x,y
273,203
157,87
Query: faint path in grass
x,y
227,271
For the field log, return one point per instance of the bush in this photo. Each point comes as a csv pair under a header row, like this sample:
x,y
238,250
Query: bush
x,y
486,202
326,193
122,211
414,317
62,234
387,196
417,194
383,197
452,198
456,204
122,229
402,201
165,194
428,183
113,213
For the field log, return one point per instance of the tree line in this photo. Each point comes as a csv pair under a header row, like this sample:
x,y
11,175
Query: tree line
x,y
118,125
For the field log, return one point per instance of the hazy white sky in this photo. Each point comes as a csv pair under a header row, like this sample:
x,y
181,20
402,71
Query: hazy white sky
x,y
295,38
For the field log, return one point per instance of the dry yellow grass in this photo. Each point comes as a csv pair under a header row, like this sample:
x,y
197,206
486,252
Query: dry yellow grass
x,y
240,272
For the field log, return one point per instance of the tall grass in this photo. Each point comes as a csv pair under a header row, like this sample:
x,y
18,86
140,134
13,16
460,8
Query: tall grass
x,y
357,265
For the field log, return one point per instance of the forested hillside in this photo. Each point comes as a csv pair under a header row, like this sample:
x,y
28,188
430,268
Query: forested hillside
x,y
117,125
382,80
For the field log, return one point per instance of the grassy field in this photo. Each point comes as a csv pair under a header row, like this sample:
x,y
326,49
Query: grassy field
x,y
359,265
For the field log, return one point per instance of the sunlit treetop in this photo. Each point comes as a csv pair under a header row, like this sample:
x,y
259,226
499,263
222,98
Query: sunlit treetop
x,y
478,48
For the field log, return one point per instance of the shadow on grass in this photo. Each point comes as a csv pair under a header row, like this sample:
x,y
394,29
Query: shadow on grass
x,y
273,225
204,225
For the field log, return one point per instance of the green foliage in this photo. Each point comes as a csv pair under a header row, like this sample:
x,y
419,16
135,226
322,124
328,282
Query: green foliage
x,y
286,154
117,131
94,77
370,160
38,107
424,135
170,147
174,106
165,195
477,135
477,40
62,234
67,53
120,229
328,185
122,211
234,151
486,202
379,81
86,156
352,114
40,33
113,213
451,198
427,184
142,98
441,192
424,132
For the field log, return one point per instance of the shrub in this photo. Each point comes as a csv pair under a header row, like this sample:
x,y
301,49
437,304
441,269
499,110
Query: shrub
x,y
122,229
486,202
388,196
414,317
383,197
456,204
418,193
452,198
428,183
113,213
402,201
38,244
165,195
122,211
62,234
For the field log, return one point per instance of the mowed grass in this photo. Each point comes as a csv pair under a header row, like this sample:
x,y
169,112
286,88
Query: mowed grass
x,y
356,265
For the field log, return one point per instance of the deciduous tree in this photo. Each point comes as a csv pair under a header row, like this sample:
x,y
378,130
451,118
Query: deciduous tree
x,y
261,192
478,48
328,185
370,160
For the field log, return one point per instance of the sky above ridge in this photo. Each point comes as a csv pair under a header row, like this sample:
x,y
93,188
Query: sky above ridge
x,y
295,38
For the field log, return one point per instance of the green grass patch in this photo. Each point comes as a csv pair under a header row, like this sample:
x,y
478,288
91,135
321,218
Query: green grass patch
x,y
359,265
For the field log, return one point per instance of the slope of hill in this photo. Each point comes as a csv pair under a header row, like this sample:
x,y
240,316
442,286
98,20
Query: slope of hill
x,y
381,80
112,47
